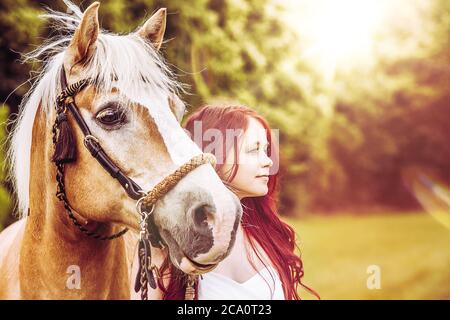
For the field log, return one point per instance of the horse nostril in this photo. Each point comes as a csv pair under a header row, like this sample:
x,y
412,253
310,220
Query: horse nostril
x,y
203,215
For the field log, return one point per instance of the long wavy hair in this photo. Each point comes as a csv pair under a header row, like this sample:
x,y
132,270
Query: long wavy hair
x,y
260,220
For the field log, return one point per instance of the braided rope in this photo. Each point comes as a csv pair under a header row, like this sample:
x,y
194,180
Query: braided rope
x,y
170,181
71,91
143,277
61,195
160,190
189,293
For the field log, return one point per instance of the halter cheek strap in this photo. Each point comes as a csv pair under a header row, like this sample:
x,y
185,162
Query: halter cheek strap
x,y
66,100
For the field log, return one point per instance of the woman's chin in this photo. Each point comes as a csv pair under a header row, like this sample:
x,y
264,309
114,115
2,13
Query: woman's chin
x,y
260,192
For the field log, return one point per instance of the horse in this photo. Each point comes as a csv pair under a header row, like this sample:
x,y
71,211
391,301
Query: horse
x,y
69,241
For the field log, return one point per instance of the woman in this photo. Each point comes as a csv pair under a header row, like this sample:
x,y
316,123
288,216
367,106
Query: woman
x,y
262,263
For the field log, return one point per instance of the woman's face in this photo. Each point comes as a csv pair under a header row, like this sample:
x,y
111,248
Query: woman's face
x,y
253,173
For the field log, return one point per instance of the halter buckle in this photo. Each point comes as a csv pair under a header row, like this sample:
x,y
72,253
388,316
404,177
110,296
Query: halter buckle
x,y
89,137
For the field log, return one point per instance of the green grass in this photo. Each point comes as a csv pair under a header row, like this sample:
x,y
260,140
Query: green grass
x,y
412,251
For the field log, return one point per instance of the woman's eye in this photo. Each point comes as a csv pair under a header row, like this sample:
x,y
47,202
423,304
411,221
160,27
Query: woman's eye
x,y
257,150
110,116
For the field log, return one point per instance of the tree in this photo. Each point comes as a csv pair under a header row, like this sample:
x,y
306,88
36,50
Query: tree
x,y
5,202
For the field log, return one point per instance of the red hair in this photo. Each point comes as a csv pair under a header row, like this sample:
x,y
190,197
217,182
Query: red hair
x,y
276,238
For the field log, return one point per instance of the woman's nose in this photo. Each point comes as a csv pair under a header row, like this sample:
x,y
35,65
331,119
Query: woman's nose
x,y
266,161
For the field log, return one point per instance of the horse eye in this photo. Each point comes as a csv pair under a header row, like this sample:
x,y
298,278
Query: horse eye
x,y
111,116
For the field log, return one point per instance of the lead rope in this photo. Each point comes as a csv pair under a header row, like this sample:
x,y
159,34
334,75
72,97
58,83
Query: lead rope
x,y
145,207
190,287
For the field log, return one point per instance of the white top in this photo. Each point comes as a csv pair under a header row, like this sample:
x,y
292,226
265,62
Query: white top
x,y
265,285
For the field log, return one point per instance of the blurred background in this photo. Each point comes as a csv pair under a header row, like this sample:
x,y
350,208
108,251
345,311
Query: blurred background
x,y
359,90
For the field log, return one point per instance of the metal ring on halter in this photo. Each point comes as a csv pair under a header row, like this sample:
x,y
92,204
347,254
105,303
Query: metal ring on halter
x,y
89,136
139,206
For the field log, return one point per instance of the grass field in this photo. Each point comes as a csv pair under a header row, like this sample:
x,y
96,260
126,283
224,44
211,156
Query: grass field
x,y
412,251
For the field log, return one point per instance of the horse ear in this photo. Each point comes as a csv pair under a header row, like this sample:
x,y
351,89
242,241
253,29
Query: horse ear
x,y
84,40
154,28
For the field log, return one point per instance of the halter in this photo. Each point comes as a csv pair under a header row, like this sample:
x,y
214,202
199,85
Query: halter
x,y
65,153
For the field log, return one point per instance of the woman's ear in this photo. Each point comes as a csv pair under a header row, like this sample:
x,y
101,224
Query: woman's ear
x,y
154,28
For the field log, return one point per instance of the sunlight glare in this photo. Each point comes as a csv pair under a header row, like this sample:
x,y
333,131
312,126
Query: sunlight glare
x,y
337,33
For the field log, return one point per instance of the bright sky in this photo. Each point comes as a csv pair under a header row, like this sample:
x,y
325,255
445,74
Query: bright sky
x,y
338,34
